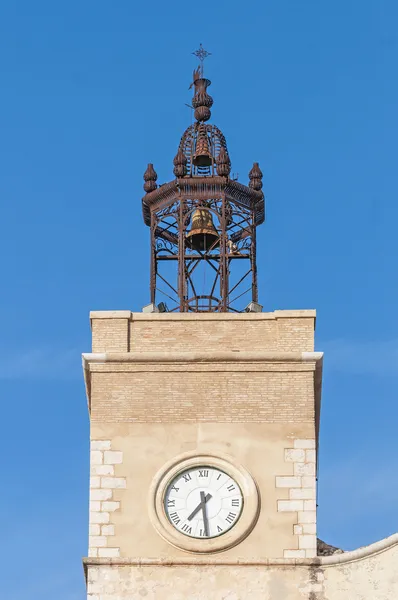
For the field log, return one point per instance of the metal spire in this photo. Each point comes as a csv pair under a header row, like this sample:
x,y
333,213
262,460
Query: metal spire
x,y
201,55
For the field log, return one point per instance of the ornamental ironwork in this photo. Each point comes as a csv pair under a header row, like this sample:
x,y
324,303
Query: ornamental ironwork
x,y
203,223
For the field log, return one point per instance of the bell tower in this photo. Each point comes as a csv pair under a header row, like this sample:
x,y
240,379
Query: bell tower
x,y
203,223
203,415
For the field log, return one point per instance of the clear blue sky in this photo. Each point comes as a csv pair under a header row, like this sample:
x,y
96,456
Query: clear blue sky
x,y
93,91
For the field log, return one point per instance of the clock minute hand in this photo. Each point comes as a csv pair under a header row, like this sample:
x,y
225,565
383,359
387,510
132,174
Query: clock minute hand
x,y
204,512
199,507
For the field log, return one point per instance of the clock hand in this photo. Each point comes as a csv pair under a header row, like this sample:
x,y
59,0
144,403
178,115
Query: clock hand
x,y
199,507
204,512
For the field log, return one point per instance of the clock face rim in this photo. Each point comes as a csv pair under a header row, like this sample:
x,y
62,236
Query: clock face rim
x,y
189,460
190,470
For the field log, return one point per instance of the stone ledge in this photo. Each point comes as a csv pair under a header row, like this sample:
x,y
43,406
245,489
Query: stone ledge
x,y
138,316
110,314
335,559
211,356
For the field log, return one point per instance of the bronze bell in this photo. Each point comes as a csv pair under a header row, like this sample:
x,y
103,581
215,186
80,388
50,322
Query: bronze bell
x,y
203,234
202,156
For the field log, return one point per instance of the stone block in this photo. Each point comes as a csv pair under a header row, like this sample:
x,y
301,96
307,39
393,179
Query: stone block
x,y
96,457
100,445
102,470
304,469
302,494
108,530
310,456
307,516
290,505
95,482
100,494
297,529
108,552
288,482
110,506
292,455
308,481
99,517
309,505
307,542
94,529
113,482
97,541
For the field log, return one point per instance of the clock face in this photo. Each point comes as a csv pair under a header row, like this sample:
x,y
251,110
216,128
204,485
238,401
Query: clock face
x,y
203,502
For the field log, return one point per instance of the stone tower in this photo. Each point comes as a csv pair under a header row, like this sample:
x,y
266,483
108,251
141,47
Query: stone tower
x,y
204,417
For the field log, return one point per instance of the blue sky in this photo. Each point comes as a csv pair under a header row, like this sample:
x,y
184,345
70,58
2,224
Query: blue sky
x,y
92,92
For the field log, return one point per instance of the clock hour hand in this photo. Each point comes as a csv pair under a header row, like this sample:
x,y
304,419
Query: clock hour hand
x,y
203,500
204,512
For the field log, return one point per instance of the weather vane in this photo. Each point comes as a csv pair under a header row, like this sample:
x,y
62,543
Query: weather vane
x,y
201,54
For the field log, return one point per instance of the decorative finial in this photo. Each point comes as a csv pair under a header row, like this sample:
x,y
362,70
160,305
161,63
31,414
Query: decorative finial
x,y
180,164
201,101
150,177
201,54
223,163
255,176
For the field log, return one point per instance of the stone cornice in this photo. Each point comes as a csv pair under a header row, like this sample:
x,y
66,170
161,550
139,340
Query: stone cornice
x,y
202,357
209,561
266,316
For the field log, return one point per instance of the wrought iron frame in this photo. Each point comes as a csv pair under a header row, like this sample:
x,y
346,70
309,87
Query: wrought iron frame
x,y
236,210
202,168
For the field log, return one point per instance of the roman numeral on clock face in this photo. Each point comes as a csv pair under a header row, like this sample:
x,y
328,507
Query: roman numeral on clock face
x,y
204,473
175,518
187,477
231,517
171,503
235,502
186,528
231,487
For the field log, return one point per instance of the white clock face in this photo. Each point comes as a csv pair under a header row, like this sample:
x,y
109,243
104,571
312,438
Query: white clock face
x,y
203,502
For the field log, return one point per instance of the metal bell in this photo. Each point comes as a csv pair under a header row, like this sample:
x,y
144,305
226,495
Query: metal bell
x,y
202,156
203,234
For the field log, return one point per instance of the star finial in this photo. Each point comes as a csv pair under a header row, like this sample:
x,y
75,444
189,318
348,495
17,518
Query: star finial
x,y
201,54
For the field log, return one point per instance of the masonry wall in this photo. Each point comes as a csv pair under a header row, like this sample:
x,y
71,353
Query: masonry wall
x,y
213,392
367,574
240,386
280,457
123,331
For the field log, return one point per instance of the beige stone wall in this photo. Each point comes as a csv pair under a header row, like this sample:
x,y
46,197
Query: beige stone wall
x,y
260,447
301,487
122,331
188,391
110,332
366,574
104,484
245,387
